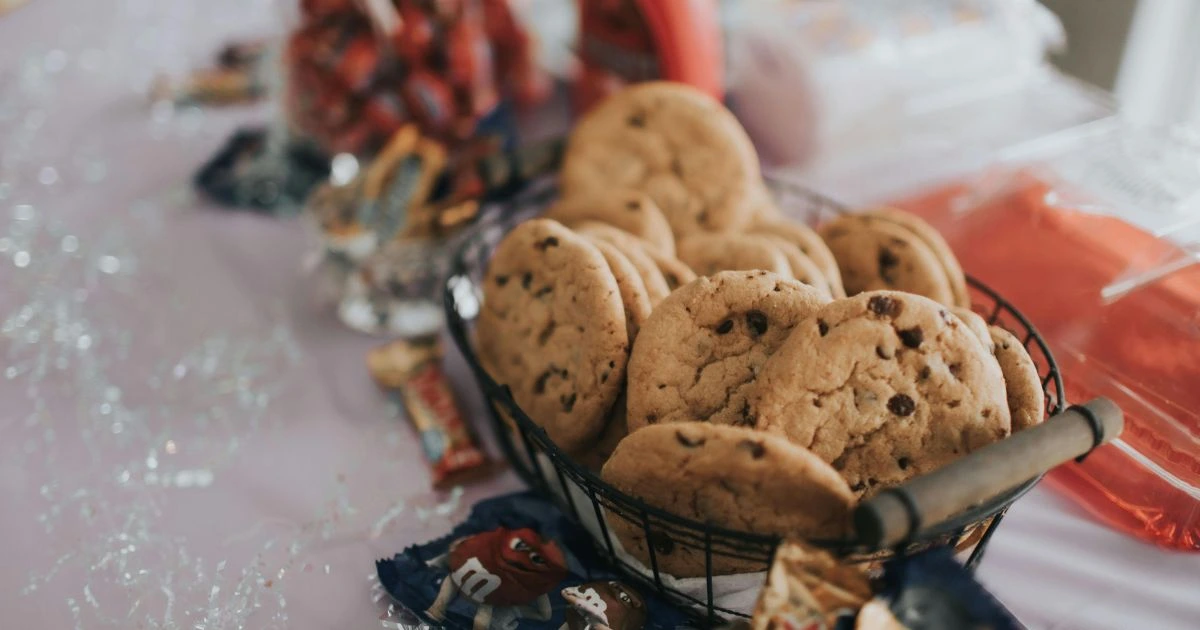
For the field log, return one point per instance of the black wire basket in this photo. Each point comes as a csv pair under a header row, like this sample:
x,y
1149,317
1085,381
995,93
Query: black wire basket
x,y
596,505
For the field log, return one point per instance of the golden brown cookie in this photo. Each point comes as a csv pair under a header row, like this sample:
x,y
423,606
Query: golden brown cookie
x,y
707,254
1026,399
802,267
633,291
656,284
702,347
628,210
810,245
674,143
884,386
874,254
932,238
552,328
763,206
977,326
594,455
731,477
673,270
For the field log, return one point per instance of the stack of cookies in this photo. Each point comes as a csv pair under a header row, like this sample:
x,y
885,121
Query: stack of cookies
x,y
664,324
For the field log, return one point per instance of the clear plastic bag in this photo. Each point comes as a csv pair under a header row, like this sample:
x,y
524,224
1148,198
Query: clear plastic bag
x,y
1095,234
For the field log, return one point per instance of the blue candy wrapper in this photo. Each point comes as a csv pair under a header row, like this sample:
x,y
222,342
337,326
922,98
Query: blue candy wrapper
x,y
517,563
932,591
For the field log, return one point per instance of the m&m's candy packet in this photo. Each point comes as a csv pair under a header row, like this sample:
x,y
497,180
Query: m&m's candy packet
x,y
517,563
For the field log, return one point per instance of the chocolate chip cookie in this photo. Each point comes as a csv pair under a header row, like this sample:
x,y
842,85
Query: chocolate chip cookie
x,y
977,326
633,291
884,386
552,328
731,477
938,245
673,270
629,210
802,267
700,350
707,254
810,245
656,284
674,143
874,254
1026,400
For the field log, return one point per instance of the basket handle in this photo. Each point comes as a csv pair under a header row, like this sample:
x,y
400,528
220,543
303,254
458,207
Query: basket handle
x,y
896,515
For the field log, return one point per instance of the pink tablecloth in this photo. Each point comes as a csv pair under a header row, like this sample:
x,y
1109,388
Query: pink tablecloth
x,y
187,441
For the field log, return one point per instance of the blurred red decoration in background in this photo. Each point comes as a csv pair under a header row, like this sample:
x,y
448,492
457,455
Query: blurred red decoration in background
x,y
628,41
359,69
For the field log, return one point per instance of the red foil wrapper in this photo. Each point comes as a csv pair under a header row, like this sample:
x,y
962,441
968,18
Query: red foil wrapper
x,y
412,372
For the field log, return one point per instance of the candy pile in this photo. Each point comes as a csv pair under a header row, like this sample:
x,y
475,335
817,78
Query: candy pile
x,y
358,71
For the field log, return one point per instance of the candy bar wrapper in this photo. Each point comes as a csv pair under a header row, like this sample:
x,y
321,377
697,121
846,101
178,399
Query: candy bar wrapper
x,y
248,172
412,371
932,591
808,588
517,563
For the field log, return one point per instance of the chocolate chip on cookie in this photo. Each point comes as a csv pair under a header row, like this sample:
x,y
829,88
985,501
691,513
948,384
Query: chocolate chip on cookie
x,y
674,143
700,350
884,387
552,328
731,477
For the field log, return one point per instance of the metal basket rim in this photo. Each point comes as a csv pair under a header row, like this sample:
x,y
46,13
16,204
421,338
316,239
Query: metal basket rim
x,y
989,508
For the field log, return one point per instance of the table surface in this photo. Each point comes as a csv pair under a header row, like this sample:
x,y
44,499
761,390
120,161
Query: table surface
x,y
190,440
